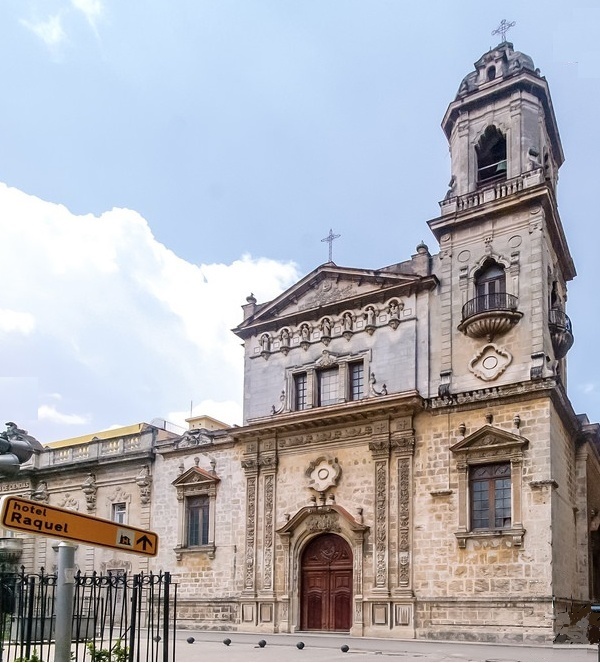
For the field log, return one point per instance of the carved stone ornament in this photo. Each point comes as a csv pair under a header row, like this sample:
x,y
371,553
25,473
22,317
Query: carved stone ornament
x,y
323,473
40,494
376,392
490,362
89,490
324,522
144,482
279,409
326,359
326,292
69,502
193,438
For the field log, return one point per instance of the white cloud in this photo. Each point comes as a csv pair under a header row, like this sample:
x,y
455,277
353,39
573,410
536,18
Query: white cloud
x,y
16,321
51,414
91,9
124,328
50,31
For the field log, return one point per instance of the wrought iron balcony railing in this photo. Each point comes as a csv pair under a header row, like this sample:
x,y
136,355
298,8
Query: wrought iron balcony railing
x,y
498,301
489,315
561,332
560,320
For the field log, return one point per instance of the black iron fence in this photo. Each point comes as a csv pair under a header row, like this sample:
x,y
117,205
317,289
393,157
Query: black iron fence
x,y
116,617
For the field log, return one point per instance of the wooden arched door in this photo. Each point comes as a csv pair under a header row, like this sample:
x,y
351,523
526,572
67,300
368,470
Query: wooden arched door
x,y
326,589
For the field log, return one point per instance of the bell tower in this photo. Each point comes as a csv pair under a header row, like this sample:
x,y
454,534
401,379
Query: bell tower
x,y
504,260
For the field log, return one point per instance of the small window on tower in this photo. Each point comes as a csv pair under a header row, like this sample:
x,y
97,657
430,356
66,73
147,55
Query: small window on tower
x,y
491,156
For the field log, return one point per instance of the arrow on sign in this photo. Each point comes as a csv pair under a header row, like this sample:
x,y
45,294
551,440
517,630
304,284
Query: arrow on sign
x,y
145,541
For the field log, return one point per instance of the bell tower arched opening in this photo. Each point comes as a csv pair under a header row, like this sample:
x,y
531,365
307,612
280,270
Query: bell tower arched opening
x,y
491,156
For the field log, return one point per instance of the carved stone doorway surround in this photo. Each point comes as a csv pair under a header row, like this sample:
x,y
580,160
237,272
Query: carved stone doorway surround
x,y
307,523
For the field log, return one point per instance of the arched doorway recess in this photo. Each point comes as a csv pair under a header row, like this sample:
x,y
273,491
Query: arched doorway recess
x,y
326,589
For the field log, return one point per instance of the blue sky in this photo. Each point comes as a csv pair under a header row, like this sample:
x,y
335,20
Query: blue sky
x,y
160,160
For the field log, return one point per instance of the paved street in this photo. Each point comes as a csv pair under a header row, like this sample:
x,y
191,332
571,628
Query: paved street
x,y
208,646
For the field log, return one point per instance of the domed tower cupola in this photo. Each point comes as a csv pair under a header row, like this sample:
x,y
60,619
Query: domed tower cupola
x,y
499,63
501,128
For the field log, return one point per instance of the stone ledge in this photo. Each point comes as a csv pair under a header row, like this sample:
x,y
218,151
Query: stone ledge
x,y
515,534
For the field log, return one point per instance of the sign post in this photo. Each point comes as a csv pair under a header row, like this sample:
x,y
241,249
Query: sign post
x,y
65,588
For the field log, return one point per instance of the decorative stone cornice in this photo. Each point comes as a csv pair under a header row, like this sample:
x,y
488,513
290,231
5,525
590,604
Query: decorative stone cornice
x,y
350,416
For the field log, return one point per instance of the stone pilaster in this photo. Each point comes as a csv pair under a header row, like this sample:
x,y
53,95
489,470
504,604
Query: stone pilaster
x,y
380,448
250,466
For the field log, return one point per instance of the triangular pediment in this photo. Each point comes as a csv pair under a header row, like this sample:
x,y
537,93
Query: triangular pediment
x,y
329,288
196,476
487,438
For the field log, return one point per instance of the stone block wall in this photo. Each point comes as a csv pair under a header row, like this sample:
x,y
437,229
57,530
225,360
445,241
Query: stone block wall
x,y
200,574
457,588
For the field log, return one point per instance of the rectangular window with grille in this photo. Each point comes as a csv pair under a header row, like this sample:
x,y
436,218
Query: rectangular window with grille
x,y
300,386
197,510
328,386
357,381
490,489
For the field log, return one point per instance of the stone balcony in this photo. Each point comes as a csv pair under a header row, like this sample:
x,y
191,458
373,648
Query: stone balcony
x,y
487,194
488,316
561,332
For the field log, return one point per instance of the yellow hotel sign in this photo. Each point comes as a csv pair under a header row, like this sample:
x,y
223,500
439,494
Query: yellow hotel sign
x,y
24,515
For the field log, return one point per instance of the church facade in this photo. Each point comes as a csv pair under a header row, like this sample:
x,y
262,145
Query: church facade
x,y
410,465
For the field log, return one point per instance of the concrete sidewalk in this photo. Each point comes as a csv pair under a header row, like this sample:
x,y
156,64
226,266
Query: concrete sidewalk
x,y
208,646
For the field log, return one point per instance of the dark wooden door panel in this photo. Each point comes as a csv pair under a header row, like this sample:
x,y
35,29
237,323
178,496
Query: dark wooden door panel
x,y
341,617
326,591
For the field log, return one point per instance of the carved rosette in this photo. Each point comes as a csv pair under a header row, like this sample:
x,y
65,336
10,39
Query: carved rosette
x,y
381,523
490,362
268,538
323,473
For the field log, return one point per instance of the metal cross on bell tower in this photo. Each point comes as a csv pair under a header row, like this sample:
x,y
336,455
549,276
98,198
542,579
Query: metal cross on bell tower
x,y
503,28
330,238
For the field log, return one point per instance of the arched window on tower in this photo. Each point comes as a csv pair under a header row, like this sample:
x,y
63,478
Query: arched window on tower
x,y
492,311
490,287
491,156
